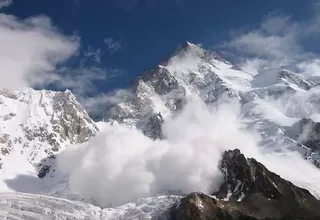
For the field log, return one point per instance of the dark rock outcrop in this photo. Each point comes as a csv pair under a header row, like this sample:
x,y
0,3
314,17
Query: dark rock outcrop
x,y
309,133
167,88
306,133
152,127
247,176
250,192
297,79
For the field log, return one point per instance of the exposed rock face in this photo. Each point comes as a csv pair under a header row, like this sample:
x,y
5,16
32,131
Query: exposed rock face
x,y
290,78
189,72
247,176
307,133
250,191
153,126
162,81
70,119
198,206
37,124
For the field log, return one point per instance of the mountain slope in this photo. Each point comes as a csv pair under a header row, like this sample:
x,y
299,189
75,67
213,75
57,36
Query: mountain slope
x,y
35,126
271,100
190,72
250,191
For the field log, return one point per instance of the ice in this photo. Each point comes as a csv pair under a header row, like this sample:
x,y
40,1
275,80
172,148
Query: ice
x,y
36,207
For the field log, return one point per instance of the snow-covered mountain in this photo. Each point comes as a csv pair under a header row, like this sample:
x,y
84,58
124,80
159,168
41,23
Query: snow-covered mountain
x,y
273,99
36,125
281,106
190,72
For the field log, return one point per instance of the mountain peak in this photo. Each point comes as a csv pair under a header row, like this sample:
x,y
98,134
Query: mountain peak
x,y
189,72
250,191
39,123
188,45
196,51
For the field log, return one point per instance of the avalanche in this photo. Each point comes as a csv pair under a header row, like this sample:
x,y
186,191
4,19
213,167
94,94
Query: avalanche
x,y
163,140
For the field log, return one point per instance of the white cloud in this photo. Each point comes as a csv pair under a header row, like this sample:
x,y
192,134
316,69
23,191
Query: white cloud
x,y
30,51
80,80
95,105
5,3
310,68
113,44
279,24
270,42
266,46
84,83
278,42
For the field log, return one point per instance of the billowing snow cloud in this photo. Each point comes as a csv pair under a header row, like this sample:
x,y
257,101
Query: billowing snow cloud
x,y
30,51
121,164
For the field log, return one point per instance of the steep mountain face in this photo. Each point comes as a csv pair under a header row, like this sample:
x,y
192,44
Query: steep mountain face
x,y
250,191
190,72
35,125
307,133
272,100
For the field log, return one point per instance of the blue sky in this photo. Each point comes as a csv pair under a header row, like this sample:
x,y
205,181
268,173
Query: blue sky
x,y
119,39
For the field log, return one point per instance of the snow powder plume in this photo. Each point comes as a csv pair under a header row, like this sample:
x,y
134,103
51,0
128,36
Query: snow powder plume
x,y
121,164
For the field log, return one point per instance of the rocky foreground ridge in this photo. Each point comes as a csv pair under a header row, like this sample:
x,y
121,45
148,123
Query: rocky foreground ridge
x,y
250,191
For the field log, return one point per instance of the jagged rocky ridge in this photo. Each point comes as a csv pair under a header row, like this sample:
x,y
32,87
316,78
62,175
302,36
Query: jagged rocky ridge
x,y
35,125
307,133
165,89
192,72
250,191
